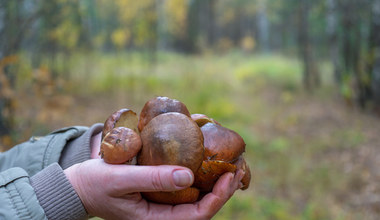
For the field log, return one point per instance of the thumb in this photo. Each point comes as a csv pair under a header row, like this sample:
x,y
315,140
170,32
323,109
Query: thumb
x,y
151,178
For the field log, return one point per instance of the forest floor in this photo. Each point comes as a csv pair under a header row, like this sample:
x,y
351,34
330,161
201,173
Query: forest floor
x,y
313,156
324,157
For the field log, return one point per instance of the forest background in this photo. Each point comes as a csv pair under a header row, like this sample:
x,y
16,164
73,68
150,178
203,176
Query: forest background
x,y
298,79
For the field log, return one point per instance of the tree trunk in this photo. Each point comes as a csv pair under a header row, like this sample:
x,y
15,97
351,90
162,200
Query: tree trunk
x,y
11,35
189,43
332,32
211,27
375,84
162,26
263,27
310,73
352,23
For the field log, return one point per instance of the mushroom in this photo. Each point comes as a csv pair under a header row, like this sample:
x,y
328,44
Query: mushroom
x,y
187,195
173,139
222,143
209,173
158,106
120,145
223,153
120,139
166,134
121,118
242,164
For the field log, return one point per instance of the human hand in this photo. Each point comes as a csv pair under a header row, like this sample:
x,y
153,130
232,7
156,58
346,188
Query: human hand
x,y
112,191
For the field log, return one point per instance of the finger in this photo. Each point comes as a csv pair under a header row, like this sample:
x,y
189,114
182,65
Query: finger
x,y
128,178
236,183
221,193
204,209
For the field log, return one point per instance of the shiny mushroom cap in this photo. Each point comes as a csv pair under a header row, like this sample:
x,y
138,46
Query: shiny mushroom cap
x,y
173,139
160,105
222,143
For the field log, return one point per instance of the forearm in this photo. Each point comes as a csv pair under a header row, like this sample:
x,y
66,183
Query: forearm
x,y
39,152
82,148
17,196
56,195
54,192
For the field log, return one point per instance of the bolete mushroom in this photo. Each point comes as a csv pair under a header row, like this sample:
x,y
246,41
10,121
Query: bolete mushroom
x,y
242,164
120,145
223,148
187,195
168,135
173,139
160,105
120,139
222,143
121,118
209,173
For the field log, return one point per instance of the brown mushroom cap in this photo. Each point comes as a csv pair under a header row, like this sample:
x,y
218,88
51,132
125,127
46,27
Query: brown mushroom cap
x,y
120,145
221,143
172,139
121,118
242,164
160,105
209,173
188,195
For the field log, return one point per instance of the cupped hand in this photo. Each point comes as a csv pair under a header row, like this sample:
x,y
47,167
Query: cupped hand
x,y
113,191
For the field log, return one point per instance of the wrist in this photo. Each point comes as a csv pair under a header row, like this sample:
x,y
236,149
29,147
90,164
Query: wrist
x,y
95,145
79,149
56,194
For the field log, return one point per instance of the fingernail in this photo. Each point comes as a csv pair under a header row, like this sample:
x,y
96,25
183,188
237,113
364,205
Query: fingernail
x,y
182,178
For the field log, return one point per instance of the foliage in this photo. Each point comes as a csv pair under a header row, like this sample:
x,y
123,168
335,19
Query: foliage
x,y
314,30
292,142
80,60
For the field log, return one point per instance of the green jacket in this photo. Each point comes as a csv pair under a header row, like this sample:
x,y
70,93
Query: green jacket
x,y
17,195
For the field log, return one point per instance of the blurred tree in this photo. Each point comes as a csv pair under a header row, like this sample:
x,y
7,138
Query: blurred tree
x,y
311,78
136,26
210,6
332,32
263,26
184,23
15,17
355,22
90,23
162,25
60,32
192,30
375,53
341,29
227,25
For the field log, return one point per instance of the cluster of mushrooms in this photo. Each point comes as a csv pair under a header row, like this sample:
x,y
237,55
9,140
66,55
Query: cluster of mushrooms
x,y
167,134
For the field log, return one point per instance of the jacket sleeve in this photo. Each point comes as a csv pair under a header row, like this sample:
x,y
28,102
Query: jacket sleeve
x,y
39,152
38,158
17,196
